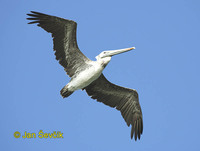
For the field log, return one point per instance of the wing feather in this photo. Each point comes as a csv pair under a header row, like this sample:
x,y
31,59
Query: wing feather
x,y
64,38
123,99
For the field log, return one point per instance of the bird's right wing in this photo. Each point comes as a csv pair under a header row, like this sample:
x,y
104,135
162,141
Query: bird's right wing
x,y
64,38
123,99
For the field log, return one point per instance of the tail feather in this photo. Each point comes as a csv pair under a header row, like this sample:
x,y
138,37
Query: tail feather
x,y
65,93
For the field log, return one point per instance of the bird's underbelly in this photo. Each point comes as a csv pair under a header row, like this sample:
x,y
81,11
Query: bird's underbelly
x,y
84,78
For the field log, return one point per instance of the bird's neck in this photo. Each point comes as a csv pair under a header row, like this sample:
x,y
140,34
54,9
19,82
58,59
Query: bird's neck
x,y
103,61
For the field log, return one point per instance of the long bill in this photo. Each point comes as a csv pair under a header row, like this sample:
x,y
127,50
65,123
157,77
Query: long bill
x,y
115,52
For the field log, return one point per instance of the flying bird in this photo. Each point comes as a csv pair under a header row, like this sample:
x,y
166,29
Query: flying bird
x,y
86,74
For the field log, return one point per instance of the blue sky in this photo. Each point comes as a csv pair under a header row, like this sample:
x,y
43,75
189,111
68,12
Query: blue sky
x,y
164,69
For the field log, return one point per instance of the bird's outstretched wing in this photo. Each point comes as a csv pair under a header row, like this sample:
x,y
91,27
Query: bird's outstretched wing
x,y
123,99
64,38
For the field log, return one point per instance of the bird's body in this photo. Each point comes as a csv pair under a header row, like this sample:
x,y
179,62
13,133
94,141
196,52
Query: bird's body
x,y
87,74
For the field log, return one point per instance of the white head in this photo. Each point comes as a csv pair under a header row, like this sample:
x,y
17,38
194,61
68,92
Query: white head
x,y
105,56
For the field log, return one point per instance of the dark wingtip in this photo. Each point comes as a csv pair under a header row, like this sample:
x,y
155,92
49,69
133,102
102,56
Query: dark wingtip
x,y
137,129
37,13
33,16
30,18
131,135
34,12
33,22
132,132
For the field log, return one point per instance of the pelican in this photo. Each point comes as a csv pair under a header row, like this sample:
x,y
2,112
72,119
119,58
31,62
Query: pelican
x,y
86,74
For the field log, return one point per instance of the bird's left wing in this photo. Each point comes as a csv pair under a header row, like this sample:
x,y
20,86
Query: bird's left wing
x,y
123,99
64,38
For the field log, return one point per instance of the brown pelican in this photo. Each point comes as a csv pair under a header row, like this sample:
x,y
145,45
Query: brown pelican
x,y
87,74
